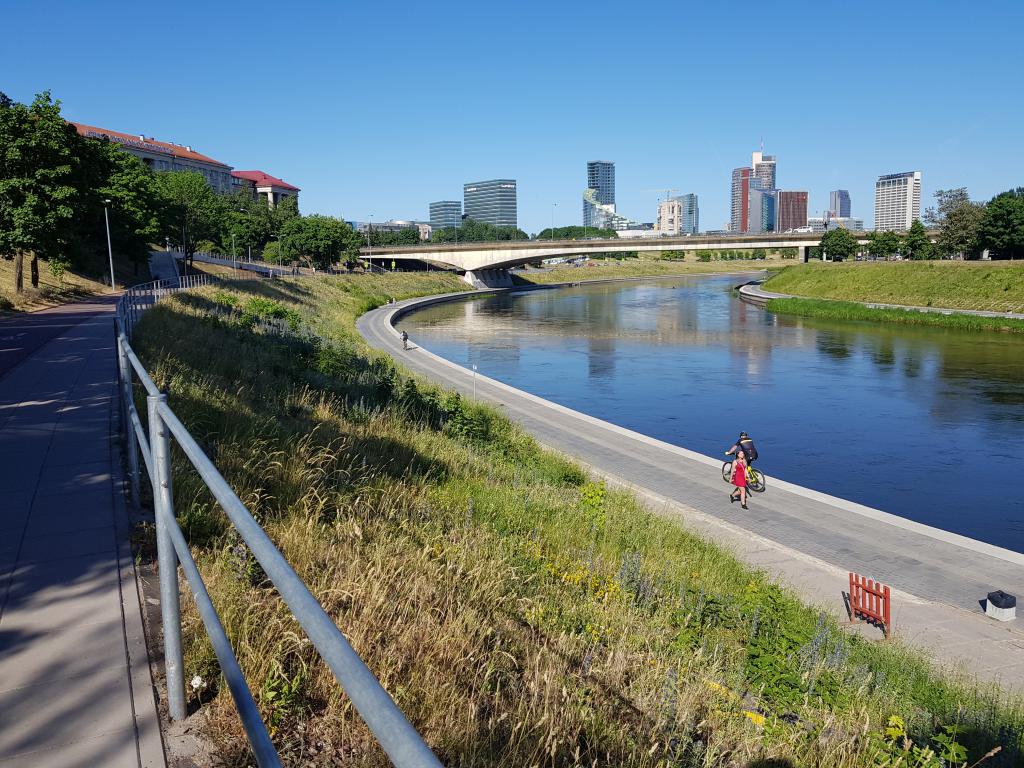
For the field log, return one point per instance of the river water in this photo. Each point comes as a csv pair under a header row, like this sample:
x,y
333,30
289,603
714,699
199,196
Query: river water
x,y
923,423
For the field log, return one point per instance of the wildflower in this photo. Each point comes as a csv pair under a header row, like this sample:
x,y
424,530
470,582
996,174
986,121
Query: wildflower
x,y
198,683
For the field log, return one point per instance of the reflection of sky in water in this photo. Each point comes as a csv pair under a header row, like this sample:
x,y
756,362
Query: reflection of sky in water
x,y
924,423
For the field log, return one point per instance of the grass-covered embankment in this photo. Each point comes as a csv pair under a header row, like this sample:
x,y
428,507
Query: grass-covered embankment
x,y
519,613
72,286
610,269
993,285
847,310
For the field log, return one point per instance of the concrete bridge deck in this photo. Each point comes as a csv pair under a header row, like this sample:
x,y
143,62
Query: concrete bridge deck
x,y
75,685
807,539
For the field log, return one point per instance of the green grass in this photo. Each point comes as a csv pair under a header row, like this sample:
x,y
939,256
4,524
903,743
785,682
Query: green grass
x,y
846,310
630,268
994,286
519,613
75,285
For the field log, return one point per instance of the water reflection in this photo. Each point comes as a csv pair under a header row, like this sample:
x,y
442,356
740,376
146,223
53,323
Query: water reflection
x,y
901,418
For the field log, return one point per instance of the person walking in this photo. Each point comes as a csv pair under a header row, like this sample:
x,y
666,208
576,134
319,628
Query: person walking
x,y
739,479
405,340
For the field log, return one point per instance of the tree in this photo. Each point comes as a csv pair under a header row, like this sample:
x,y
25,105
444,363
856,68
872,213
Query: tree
x,y
957,220
883,244
194,211
839,244
38,162
477,232
250,220
916,243
322,239
1002,227
575,233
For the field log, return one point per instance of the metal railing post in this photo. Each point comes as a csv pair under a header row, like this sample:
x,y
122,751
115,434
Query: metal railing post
x,y
124,370
170,604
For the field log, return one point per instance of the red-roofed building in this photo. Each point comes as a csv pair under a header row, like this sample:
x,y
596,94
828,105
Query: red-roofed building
x,y
260,184
165,156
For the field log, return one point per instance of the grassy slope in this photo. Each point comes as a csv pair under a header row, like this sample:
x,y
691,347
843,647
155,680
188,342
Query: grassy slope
x,y
518,614
831,309
608,269
996,286
51,291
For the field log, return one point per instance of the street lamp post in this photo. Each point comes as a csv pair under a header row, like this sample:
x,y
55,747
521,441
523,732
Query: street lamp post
x,y
369,245
553,206
234,268
110,248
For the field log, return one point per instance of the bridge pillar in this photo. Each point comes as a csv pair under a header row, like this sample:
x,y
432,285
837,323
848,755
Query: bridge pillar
x,y
803,250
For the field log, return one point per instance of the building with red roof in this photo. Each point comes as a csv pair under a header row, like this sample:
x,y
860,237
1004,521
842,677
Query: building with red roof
x,y
165,156
260,184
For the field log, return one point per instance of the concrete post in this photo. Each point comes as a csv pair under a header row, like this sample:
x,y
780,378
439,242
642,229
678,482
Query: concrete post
x,y
803,250
170,605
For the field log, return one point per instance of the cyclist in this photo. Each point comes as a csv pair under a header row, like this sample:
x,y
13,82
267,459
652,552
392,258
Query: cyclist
x,y
405,340
745,444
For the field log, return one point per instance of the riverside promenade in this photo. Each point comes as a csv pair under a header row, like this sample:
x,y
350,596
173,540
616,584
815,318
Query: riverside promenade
x,y
806,539
75,684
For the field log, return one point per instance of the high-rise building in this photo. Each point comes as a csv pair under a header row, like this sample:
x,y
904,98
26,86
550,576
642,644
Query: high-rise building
x,y
741,178
445,213
791,211
689,222
897,201
601,178
491,202
761,211
839,203
764,169
603,215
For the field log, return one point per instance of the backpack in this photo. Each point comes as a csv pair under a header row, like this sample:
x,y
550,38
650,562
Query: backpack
x,y
749,449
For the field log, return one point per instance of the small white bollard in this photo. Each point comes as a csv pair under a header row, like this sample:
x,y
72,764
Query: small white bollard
x,y
1001,606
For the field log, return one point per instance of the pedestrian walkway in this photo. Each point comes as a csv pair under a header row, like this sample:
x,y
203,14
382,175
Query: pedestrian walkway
x,y
807,539
75,687
163,266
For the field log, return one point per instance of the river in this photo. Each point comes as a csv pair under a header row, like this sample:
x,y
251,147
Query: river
x,y
921,422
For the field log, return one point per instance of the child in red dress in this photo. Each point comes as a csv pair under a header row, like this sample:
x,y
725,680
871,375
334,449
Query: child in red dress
x,y
739,479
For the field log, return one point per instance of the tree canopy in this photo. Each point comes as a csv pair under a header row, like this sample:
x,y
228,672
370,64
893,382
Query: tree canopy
x,y
884,244
916,243
839,244
1002,226
575,233
324,240
958,220
477,232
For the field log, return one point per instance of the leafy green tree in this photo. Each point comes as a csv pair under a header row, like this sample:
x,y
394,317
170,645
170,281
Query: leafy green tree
x,y
322,239
958,221
1002,228
477,232
916,243
250,220
285,210
38,162
839,244
574,233
406,236
193,211
884,244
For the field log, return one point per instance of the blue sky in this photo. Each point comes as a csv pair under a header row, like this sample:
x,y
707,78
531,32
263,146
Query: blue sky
x,y
375,109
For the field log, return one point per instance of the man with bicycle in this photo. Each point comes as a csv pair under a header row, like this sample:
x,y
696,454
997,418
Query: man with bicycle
x,y
738,471
745,444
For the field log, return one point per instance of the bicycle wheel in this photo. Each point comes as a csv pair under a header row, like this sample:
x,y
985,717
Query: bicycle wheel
x,y
755,480
727,471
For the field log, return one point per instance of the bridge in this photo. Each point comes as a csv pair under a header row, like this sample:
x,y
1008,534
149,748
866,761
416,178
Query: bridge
x,y
485,263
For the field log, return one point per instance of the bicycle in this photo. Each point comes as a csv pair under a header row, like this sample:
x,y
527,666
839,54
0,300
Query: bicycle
x,y
755,477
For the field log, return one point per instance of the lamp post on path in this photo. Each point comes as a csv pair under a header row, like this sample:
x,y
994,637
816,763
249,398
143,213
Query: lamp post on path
x,y
110,248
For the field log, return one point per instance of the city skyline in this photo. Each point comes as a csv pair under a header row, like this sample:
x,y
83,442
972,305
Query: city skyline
x,y
357,159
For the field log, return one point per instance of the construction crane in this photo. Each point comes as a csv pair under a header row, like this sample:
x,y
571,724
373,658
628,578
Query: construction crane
x,y
667,190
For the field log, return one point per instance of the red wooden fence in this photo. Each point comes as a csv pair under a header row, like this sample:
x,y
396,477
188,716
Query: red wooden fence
x,y
869,600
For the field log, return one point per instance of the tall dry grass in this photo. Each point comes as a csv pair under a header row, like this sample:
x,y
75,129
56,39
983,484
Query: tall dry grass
x,y
519,614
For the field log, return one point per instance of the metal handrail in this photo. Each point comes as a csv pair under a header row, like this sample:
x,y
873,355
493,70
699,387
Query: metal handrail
x,y
394,733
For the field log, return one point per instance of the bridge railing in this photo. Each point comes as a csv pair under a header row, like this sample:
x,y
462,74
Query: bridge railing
x,y
152,441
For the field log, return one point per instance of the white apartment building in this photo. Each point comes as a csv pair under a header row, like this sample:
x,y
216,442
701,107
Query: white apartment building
x,y
897,201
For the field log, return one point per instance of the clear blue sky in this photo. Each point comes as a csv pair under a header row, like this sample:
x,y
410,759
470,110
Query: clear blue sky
x,y
379,108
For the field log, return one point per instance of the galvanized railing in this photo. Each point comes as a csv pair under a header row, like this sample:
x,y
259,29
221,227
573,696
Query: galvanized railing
x,y
394,733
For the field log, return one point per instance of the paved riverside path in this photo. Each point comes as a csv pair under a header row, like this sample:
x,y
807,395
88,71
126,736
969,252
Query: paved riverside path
x,y
75,687
806,539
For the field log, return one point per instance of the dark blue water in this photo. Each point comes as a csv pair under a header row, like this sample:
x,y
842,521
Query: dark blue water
x,y
923,423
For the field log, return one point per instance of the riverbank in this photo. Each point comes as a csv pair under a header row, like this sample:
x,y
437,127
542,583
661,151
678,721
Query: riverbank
x,y
487,581
611,269
993,286
828,309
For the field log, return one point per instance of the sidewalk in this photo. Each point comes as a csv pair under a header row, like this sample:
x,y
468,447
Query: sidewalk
x,y
806,539
75,687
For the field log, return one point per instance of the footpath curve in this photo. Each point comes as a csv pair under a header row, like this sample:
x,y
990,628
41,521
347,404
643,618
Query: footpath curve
x,y
806,539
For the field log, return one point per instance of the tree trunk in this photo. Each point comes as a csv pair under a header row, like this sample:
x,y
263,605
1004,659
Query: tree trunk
x,y
19,271
34,269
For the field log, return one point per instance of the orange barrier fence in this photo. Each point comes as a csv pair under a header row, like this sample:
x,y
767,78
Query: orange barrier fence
x,y
869,600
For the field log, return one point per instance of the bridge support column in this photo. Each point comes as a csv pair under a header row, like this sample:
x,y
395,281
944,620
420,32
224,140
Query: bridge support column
x,y
488,278
803,251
